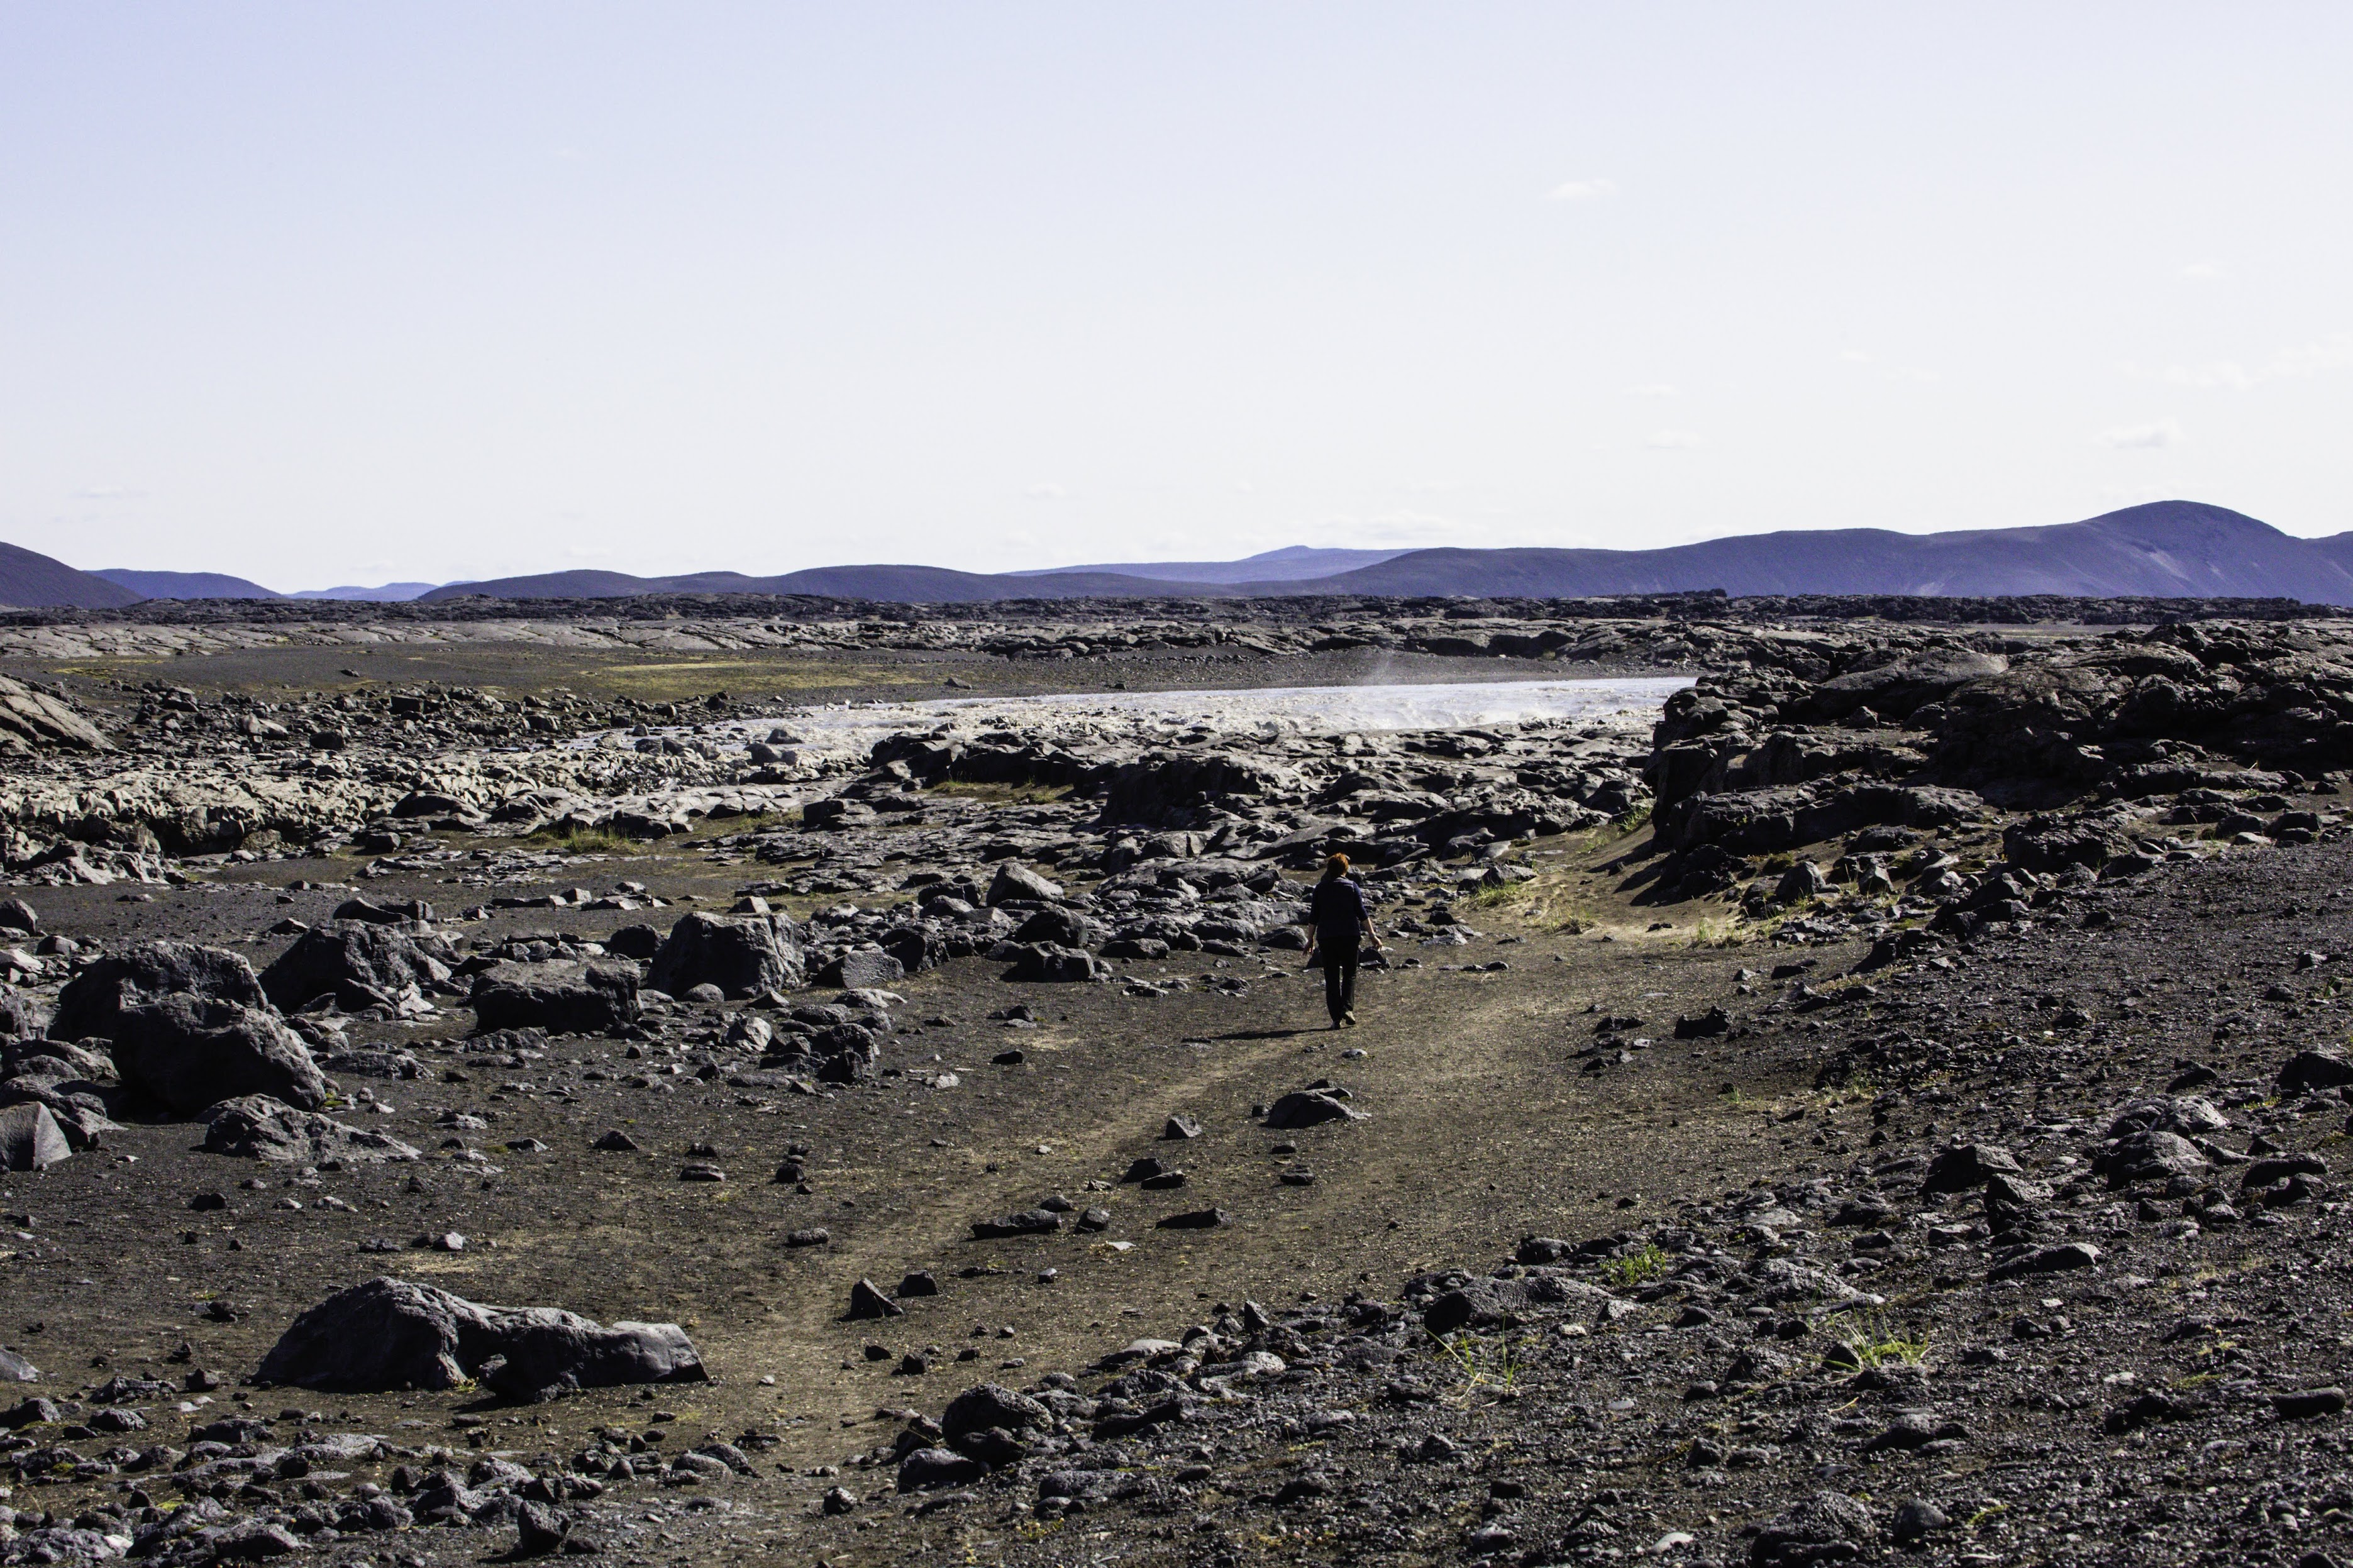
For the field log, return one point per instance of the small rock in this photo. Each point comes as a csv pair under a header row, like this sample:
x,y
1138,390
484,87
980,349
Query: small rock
x,y
2307,1404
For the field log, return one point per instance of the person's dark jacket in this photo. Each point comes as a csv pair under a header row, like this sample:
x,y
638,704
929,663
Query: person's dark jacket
x,y
1339,913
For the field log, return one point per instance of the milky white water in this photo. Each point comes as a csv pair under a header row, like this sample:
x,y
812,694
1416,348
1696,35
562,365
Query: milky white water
x,y
839,730
1295,710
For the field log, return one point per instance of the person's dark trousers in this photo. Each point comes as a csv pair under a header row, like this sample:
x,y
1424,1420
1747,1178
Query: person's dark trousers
x,y
1340,980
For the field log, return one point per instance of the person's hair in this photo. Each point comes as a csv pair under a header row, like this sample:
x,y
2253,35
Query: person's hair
x,y
1336,867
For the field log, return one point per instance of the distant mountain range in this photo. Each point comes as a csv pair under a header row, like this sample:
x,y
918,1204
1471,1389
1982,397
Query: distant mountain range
x,y
2164,549
1292,563
184,584
37,581
217,585
382,593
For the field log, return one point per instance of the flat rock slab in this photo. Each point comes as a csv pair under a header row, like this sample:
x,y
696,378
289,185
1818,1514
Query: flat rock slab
x,y
256,1127
388,1334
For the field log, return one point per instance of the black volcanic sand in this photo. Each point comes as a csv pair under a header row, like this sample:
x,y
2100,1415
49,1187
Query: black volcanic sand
x,y
1482,1129
1466,1077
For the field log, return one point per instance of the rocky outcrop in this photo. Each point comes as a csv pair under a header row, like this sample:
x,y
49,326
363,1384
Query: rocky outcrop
x,y
33,722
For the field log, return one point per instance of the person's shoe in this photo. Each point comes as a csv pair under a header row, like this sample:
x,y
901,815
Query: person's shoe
x,y
1349,1019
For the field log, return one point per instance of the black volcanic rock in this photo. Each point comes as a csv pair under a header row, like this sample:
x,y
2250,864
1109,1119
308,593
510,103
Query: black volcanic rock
x,y
392,1333
93,1000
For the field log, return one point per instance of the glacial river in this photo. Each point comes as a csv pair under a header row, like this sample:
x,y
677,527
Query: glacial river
x,y
1294,710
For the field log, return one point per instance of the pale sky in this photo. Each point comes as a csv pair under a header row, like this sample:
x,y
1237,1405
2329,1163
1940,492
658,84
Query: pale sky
x,y
322,294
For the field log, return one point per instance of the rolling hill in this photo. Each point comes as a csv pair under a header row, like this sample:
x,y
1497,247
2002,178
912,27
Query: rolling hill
x,y
32,581
892,585
2171,549
382,593
185,584
2166,549
1292,563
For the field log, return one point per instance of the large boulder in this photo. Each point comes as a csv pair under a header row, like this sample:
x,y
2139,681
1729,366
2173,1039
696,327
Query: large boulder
x,y
1487,1303
1308,1108
30,1139
841,1053
1964,1167
862,969
1047,962
77,1106
927,1468
93,999
256,1127
741,954
22,1017
390,1334
915,947
2322,1068
191,1051
559,996
1016,883
990,1404
357,962
32,720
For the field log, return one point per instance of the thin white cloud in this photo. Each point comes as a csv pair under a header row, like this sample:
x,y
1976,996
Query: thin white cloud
x,y
109,492
1674,440
2203,272
2318,357
2142,438
2222,372
1581,190
1046,490
1854,356
1656,389
2332,352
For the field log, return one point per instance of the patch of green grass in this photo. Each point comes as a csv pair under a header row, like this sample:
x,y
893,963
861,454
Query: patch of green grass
x,y
1638,1267
1481,1362
1631,823
1872,1339
1502,895
1000,793
1711,934
585,841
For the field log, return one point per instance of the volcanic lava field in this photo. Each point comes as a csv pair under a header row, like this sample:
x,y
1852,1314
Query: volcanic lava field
x,y
1837,1085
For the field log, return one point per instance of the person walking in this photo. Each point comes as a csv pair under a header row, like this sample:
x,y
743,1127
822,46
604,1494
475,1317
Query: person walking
x,y
1337,917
